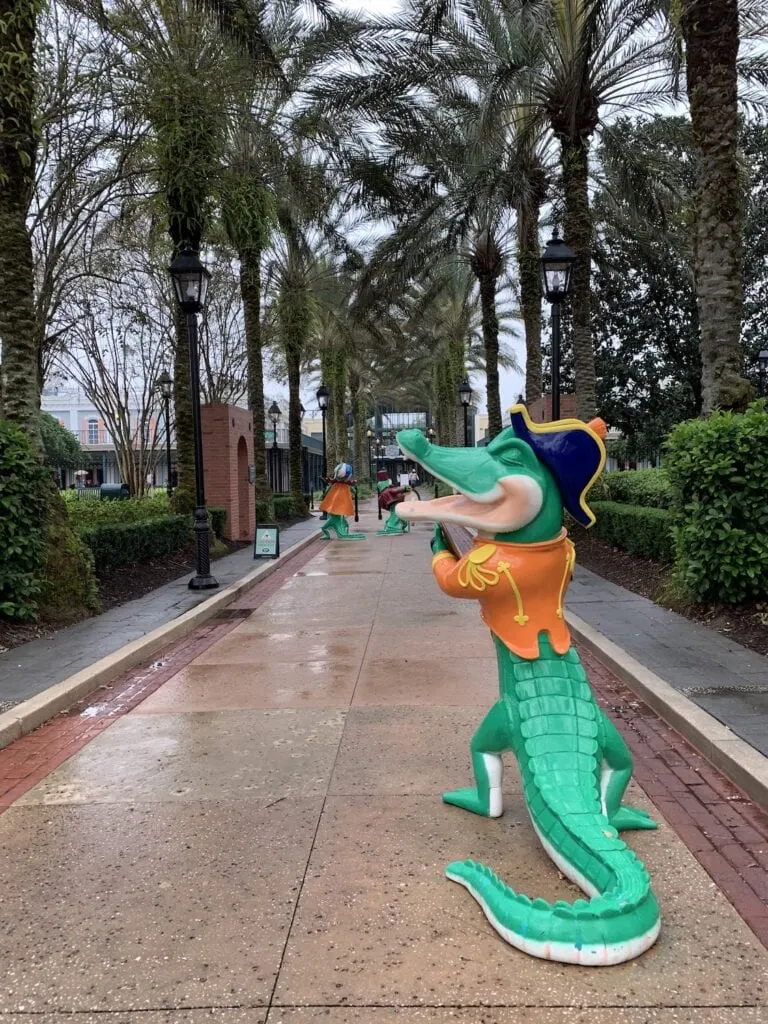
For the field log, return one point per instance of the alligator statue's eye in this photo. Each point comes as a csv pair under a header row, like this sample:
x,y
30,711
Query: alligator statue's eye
x,y
512,452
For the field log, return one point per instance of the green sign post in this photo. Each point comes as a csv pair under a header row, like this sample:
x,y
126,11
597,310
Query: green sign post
x,y
266,543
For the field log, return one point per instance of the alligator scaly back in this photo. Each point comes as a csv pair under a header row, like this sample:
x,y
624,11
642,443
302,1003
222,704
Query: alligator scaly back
x,y
556,730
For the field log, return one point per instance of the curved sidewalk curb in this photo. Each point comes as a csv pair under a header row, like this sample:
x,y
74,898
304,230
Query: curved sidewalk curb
x,y
31,713
744,766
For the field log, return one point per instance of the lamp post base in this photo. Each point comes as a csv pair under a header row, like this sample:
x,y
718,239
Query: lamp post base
x,y
203,583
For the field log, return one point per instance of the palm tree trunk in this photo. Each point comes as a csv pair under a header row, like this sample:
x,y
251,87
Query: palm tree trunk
x,y
293,310
250,293
184,492
20,358
578,235
293,362
487,281
711,33
327,357
361,463
530,299
339,400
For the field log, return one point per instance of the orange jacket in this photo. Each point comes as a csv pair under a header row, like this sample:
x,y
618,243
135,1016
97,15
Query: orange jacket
x,y
338,500
520,588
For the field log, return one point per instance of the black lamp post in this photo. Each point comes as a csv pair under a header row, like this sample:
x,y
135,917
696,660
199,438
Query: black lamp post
x,y
762,361
431,437
322,395
164,385
465,397
274,414
556,268
380,448
190,282
369,435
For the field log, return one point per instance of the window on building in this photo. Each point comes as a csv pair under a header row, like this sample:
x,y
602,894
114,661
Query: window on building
x,y
93,431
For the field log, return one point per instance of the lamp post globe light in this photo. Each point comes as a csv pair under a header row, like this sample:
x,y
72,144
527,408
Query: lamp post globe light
x,y
190,283
164,384
762,361
557,262
465,397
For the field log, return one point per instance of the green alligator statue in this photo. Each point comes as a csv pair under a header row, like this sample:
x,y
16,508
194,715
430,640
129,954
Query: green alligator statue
x,y
574,765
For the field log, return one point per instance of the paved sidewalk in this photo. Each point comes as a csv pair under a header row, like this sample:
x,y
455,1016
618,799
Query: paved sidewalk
x,y
721,676
262,841
33,667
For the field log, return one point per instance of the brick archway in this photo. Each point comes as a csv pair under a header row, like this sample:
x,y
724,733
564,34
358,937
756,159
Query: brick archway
x,y
227,454
244,490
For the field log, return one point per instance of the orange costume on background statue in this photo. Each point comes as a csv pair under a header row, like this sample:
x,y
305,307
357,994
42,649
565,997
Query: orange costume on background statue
x,y
338,500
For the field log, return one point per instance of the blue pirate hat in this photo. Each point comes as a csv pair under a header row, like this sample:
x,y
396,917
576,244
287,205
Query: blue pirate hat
x,y
571,450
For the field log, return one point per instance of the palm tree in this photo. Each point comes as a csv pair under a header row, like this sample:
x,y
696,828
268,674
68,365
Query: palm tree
x,y
574,62
710,30
19,380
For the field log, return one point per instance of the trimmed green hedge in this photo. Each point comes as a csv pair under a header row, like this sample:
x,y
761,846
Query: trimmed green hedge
x,y
85,513
115,544
719,467
22,513
642,531
650,487
285,508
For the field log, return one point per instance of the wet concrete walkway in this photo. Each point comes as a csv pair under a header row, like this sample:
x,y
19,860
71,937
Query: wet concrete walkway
x,y
722,677
262,840
28,670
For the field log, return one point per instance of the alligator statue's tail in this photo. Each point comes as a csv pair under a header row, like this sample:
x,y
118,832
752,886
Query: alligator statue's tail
x,y
608,929
554,725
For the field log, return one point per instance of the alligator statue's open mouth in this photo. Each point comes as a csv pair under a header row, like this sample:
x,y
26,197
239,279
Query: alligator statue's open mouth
x,y
486,500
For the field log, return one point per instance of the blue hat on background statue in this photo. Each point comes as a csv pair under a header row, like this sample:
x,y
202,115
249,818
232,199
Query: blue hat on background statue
x,y
342,472
573,452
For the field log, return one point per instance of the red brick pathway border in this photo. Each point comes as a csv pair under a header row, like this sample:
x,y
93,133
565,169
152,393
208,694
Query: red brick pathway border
x,y
725,831
31,758
723,828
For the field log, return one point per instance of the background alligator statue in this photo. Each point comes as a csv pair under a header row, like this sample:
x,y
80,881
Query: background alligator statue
x,y
337,504
573,763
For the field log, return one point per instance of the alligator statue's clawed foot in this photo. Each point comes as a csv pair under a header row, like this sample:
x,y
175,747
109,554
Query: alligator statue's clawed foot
x,y
628,818
471,800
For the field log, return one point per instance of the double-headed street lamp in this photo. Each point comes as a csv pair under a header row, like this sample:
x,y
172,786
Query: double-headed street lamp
x,y
465,397
190,282
274,414
557,262
164,384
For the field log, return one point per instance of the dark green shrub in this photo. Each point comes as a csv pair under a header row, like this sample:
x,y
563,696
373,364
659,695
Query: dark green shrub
x,y
85,513
116,544
23,482
218,519
649,487
718,468
286,509
642,531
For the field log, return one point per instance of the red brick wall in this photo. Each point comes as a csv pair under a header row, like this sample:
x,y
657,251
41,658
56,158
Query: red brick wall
x,y
223,426
540,411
